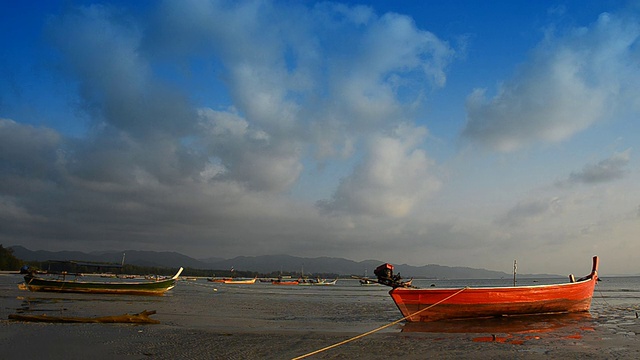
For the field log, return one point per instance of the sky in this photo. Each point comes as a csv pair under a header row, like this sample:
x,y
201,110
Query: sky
x,y
459,133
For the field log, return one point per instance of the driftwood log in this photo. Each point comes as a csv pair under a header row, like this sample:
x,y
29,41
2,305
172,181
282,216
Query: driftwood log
x,y
140,318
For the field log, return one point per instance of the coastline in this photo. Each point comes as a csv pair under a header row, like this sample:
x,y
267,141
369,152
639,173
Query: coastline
x,y
263,322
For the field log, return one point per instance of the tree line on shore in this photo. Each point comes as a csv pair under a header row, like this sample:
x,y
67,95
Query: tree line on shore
x,y
8,262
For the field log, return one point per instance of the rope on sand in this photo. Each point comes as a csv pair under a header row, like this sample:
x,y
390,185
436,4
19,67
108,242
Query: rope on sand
x,y
380,328
618,308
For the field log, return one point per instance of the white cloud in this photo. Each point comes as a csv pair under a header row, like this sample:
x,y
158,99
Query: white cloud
x,y
395,176
325,73
320,79
394,43
570,83
223,124
249,156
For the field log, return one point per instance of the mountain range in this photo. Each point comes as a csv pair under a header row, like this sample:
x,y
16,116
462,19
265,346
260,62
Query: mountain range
x,y
261,264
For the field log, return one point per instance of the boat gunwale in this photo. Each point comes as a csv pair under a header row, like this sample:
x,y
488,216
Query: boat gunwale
x,y
496,288
132,283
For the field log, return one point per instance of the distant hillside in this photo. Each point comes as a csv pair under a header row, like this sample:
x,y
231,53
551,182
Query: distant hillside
x,y
261,264
446,272
287,263
133,257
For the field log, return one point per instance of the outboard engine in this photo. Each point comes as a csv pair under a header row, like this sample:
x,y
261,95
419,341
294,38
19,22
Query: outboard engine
x,y
385,276
384,273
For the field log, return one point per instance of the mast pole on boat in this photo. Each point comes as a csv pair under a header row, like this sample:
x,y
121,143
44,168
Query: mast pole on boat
x,y
515,269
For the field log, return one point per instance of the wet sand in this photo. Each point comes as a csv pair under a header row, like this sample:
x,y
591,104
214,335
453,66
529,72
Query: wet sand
x,y
263,323
75,341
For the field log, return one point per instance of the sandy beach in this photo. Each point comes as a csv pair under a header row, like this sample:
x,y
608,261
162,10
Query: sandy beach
x,y
199,321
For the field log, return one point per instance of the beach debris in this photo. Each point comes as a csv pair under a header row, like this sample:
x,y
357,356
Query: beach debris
x,y
139,318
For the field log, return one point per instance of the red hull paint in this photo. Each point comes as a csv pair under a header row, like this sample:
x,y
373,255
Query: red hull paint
x,y
295,282
502,301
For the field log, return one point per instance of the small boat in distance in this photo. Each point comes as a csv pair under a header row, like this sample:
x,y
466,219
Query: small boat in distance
x,y
281,281
315,282
324,282
368,282
37,283
424,305
240,281
365,281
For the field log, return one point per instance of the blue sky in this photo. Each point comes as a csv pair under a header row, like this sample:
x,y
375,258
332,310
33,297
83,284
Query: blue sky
x,y
458,133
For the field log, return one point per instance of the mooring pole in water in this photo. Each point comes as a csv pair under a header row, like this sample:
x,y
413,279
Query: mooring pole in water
x,y
515,269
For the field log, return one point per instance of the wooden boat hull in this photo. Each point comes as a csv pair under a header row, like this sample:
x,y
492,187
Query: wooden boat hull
x,y
35,283
222,281
250,281
325,283
319,282
367,282
423,305
285,282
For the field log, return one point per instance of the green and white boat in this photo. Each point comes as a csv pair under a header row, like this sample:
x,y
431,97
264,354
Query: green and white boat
x,y
159,287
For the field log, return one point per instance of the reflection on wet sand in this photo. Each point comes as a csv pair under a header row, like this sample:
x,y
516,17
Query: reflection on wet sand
x,y
532,324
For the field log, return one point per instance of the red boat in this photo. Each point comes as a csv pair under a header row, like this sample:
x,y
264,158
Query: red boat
x,y
424,305
285,282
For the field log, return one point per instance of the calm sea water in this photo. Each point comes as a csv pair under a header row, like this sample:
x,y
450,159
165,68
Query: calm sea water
x,y
344,307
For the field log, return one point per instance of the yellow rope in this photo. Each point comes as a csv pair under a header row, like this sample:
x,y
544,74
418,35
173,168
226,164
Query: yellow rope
x,y
380,328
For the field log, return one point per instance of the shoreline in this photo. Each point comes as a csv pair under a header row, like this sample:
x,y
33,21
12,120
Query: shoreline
x,y
263,322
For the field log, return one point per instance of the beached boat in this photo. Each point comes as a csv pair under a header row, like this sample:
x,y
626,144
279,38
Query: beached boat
x,y
324,282
315,282
284,282
365,281
240,281
424,305
305,282
37,283
368,282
